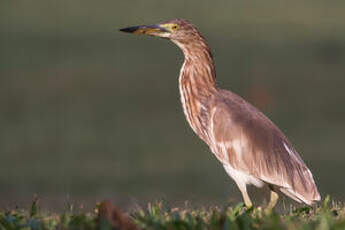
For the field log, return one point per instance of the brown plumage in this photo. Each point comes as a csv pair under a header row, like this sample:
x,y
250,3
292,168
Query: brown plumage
x,y
251,148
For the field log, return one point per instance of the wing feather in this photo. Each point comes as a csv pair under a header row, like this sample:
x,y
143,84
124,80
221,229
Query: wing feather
x,y
247,140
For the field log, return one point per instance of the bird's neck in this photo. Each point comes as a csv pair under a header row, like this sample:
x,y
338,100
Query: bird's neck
x,y
197,84
198,68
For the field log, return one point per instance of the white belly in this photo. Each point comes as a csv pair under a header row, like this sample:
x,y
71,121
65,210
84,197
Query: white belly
x,y
242,178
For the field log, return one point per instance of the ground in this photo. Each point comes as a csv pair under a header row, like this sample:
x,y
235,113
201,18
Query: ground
x,y
328,215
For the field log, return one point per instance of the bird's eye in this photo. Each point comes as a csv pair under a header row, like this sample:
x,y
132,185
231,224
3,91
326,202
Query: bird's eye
x,y
174,27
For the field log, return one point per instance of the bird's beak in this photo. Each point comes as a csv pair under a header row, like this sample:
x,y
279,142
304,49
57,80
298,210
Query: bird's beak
x,y
153,30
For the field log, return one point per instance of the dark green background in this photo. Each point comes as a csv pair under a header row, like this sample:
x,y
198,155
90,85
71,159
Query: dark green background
x,y
89,113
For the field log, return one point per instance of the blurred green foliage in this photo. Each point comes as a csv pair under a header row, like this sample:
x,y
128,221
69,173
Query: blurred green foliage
x,y
157,216
89,112
160,216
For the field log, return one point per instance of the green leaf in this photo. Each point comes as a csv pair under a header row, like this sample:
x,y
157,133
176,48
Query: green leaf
x,y
35,209
326,201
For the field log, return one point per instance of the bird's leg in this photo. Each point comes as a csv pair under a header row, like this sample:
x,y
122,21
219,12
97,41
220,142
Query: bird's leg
x,y
245,196
273,201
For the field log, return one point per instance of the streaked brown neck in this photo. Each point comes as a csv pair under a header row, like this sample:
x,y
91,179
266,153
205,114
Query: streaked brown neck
x,y
197,84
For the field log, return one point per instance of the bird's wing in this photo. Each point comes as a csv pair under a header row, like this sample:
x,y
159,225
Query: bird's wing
x,y
247,140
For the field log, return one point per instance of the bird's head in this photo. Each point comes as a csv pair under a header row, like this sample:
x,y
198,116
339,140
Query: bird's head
x,y
179,31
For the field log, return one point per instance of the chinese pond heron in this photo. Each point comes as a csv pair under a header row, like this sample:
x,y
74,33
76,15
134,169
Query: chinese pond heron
x,y
250,146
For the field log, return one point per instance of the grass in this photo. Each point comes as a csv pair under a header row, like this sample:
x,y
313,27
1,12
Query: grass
x,y
160,216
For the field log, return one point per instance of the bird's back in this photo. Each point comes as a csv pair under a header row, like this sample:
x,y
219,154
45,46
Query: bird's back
x,y
251,143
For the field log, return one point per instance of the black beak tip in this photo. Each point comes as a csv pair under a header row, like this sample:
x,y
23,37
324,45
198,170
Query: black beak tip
x,y
129,29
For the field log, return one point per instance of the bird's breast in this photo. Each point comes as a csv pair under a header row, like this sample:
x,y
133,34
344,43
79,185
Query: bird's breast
x,y
196,109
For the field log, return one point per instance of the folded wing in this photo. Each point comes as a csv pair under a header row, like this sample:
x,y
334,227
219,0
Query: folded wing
x,y
247,140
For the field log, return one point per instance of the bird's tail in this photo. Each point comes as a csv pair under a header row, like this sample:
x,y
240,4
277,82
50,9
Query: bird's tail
x,y
308,193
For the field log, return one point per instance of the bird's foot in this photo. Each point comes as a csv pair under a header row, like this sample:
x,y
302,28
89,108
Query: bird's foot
x,y
269,210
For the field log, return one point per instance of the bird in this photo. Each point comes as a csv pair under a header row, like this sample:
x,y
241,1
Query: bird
x,y
251,148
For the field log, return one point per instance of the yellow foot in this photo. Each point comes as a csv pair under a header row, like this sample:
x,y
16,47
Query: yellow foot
x,y
268,211
273,201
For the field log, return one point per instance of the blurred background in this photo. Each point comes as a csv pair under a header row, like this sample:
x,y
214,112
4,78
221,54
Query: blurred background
x,y
89,113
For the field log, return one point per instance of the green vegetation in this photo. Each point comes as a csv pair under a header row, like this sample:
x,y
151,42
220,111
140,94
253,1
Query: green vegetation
x,y
159,216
